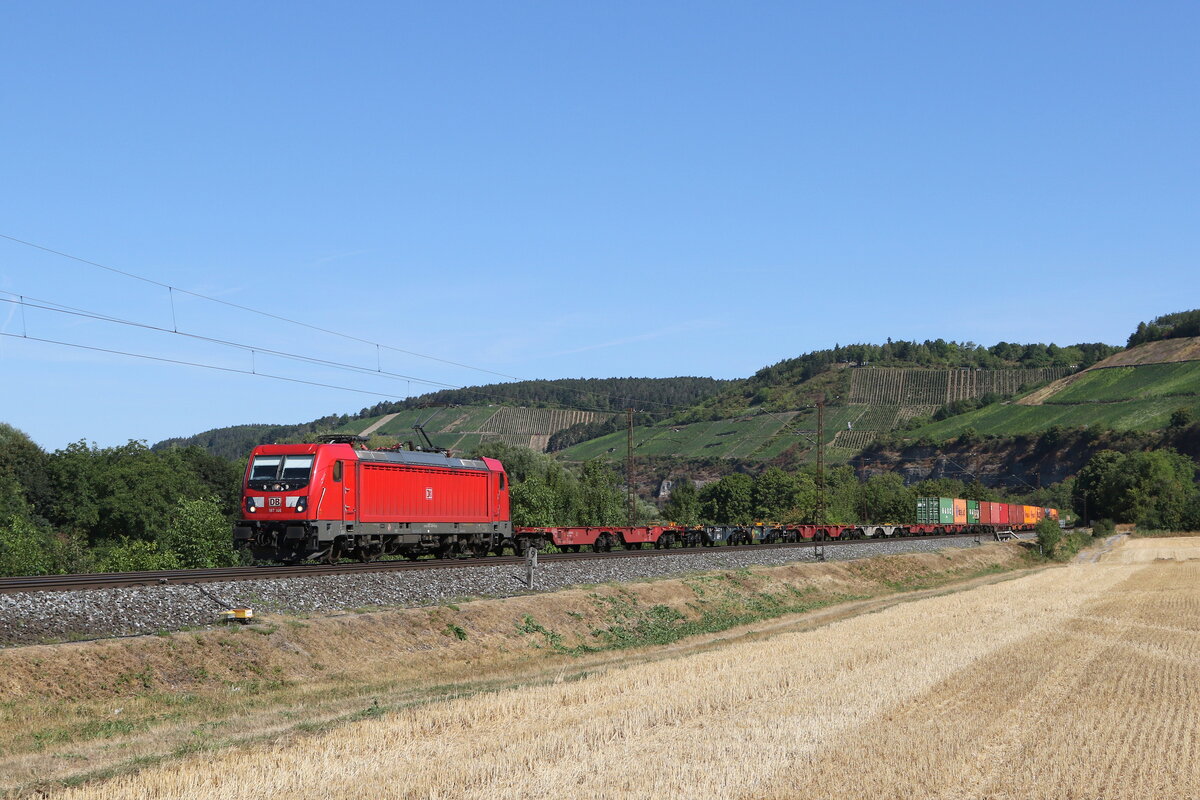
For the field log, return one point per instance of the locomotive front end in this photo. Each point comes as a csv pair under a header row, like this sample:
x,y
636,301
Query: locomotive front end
x,y
277,502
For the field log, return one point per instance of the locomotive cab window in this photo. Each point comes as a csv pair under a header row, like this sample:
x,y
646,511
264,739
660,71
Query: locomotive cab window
x,y
296,468
266,468
337,471
502,481
280,473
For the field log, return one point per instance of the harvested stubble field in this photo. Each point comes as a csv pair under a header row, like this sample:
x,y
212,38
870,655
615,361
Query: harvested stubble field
x,y
1072,682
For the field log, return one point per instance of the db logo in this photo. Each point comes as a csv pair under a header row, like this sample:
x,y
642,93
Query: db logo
x,y
428,492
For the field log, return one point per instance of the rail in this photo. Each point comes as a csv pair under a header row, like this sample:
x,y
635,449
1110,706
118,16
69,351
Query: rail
x,y
118,580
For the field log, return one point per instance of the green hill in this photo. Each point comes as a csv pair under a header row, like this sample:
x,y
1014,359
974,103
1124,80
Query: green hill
x,y
1141,397
527,413
899,391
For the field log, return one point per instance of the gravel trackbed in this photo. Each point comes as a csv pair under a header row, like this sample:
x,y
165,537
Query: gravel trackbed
x,y
38,617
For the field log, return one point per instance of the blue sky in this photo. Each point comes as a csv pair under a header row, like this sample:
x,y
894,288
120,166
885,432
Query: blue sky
x,y
566,189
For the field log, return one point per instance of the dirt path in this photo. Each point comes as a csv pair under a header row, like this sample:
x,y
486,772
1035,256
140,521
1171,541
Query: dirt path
x,y
1094,554
384,420
1080,681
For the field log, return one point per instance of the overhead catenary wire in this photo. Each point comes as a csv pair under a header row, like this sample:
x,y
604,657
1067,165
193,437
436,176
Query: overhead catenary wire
x,y
181,362
172,289
24,301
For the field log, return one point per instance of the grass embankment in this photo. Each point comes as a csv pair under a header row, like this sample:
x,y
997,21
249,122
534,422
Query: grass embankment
x,y
1072,682
85,709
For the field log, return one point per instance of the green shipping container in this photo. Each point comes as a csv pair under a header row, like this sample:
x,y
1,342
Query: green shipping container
x,y
972,512
922,510
936,510
927,510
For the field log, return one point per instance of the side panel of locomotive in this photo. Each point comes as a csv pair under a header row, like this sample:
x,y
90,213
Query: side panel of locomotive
x,y
419,493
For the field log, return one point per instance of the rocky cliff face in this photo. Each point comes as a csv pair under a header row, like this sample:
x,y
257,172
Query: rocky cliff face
x,y
1021,462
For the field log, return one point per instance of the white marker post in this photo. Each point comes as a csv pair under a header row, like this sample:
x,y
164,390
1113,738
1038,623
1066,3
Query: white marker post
x,y
530,565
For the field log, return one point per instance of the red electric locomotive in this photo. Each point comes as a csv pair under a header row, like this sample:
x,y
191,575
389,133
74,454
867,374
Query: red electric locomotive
x,y
331,500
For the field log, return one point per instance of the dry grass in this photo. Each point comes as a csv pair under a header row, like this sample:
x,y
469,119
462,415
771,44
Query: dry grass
x,y
1143,551
81,709
1074,682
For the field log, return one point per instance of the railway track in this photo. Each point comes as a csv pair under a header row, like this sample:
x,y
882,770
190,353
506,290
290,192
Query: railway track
x,y
115,580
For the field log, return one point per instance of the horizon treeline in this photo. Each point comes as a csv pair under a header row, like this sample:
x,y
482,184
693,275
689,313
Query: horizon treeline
x,y
1179,325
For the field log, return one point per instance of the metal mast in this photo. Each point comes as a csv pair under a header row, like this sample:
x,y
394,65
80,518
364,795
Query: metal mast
x,y
821,460
629,466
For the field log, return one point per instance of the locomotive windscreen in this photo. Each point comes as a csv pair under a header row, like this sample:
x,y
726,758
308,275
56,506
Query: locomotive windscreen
x,y
292,471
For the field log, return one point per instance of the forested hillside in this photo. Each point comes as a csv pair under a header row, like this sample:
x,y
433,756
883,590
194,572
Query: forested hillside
x,y
595,396
586,394
792,383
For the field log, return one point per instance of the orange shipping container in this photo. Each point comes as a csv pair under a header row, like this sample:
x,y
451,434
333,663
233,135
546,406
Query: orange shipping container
x,y
960,511
1030,513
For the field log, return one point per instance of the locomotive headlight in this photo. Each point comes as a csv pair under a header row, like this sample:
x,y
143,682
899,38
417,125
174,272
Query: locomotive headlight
x,y
301,502
251,505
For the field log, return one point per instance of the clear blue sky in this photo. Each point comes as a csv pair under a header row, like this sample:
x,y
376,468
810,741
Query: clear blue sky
x,y
568,189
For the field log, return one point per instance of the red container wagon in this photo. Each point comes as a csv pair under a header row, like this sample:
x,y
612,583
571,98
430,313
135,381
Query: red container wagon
x,y
1002,514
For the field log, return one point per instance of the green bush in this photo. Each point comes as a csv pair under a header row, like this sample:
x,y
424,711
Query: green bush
x,y
199,536
136,555
24,549
1104,527
1048,535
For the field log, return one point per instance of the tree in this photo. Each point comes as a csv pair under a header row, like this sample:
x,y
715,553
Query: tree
x,y
683,506
199,535
533,502
1182,417
775,495
1091,497
600,497
1048,535
728,501
1155,488
24,549
885,498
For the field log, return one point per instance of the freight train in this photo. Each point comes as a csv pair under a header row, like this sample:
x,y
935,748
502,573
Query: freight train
x,y
332,500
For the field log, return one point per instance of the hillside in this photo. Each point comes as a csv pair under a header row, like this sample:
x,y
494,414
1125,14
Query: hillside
x,y
931,391
870,401
461,428
1139,389
527,413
